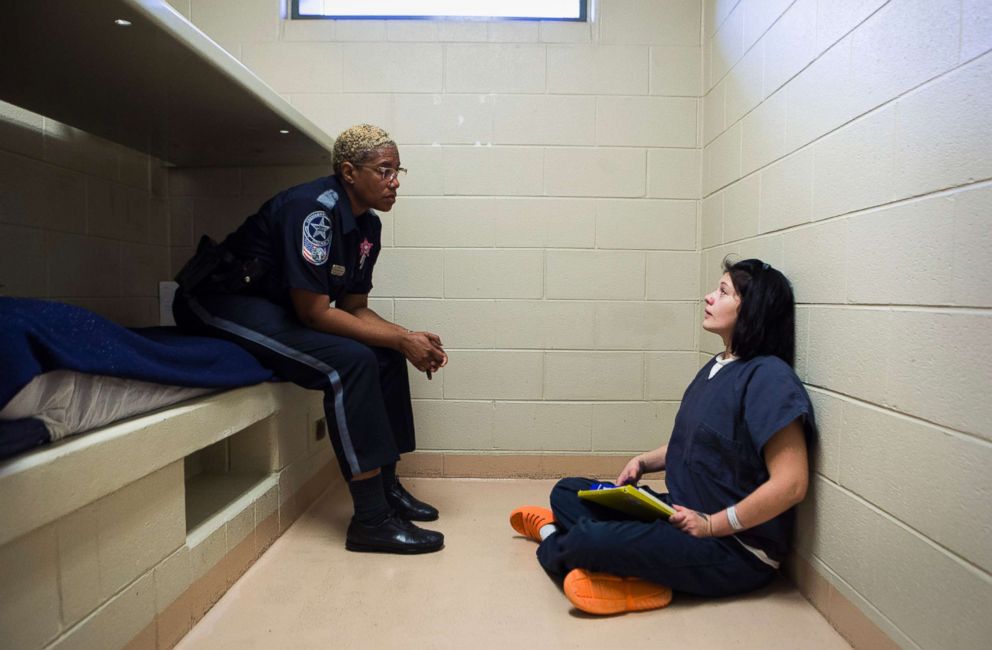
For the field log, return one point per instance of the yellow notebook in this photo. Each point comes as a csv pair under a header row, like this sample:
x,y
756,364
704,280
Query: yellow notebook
x,y
633,500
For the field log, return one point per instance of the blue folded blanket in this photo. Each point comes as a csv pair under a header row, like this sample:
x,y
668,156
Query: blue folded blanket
x,y
37,336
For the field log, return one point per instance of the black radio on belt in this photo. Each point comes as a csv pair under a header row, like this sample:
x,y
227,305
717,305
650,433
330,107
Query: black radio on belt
x,y
214,268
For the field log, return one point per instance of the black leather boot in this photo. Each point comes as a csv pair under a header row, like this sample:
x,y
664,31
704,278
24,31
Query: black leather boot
x,y
394,535
408,506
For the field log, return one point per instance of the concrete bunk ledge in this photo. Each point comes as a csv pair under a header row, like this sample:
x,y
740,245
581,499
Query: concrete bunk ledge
x,y
129,534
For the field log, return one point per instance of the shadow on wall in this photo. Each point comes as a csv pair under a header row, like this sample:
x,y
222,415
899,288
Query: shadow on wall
x,y
82,220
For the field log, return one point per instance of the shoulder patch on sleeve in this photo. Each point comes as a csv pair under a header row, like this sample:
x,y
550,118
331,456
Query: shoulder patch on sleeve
x,y
328,199
316,238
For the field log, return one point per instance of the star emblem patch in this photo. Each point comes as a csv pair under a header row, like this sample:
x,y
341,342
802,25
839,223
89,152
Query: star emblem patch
x,y
363,250
316,238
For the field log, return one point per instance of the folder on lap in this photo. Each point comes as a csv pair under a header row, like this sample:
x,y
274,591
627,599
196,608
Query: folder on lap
x,y
630,499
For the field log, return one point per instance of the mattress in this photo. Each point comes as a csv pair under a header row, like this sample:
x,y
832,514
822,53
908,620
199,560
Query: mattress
x,y
69,402
65,370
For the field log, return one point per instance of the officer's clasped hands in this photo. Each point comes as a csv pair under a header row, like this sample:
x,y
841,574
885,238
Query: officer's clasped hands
x,y
424,351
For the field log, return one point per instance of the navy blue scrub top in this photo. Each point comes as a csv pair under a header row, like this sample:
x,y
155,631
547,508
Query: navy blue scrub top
x,y
308,238
715,455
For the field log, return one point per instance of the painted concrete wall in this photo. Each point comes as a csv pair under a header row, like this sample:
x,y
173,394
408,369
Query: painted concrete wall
x,y
848,144
82,220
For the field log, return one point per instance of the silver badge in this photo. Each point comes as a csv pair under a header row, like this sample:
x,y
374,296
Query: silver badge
x,y
337,269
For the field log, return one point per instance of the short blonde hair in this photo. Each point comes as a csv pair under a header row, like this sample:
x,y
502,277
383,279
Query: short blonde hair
x,y
356,143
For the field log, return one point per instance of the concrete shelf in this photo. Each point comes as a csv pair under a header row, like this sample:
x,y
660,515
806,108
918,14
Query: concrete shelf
x,y
49,483
158,85
151,519
215,499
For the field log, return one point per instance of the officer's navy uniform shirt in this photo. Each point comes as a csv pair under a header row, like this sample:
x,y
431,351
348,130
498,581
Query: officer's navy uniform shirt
x,y
715,456
308,238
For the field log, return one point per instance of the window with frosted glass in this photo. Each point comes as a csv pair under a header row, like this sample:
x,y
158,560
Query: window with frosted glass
x,y
450,9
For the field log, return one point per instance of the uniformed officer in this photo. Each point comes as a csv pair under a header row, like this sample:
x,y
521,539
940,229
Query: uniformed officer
x,y
291,285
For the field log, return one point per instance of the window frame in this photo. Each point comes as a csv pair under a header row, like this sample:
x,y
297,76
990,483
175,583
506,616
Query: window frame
x,y
295,15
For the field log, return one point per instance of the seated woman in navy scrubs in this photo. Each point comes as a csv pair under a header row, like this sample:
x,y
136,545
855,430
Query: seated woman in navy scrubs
x,y
736,465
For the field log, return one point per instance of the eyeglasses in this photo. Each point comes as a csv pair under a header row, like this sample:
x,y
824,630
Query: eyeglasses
x,y
388,174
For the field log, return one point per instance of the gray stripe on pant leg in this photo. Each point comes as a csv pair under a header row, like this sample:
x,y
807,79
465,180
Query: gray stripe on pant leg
x,y
332,375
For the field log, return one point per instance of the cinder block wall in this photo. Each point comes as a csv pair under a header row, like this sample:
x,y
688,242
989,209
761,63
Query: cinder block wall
x,y
848,144
82,220
547,228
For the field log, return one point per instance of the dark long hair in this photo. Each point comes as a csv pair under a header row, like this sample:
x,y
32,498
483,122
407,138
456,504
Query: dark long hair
x,y
766,320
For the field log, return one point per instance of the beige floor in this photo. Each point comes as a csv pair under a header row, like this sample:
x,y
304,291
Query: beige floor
x,y
484,590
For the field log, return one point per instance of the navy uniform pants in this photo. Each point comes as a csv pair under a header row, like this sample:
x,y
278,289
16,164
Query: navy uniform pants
x,y
366,389
597,538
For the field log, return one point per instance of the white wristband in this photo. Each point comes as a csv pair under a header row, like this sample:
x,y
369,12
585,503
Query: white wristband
x,y
735,523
